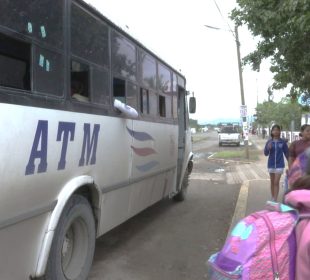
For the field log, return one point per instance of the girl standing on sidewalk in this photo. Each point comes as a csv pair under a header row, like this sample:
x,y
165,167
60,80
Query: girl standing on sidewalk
x,y
275,148
299,146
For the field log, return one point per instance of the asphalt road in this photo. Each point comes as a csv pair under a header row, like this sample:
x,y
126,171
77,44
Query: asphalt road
x,y
172,240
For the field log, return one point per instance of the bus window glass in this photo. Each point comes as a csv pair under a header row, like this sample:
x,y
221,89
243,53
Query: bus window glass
x,y
181,82
174,83
90,44
162,106
79,81
29,17
175,106
119,89
168,101
101,86
124,58
144,101
148,70
132,95
14,63
48,72
164,79
153,103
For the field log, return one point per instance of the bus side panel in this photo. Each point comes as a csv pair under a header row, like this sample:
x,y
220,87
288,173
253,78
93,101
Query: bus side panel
x,y
155,151
19,247
42,150
154,156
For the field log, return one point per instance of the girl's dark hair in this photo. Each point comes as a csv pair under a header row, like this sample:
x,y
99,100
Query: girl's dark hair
x,y
303,127
273,127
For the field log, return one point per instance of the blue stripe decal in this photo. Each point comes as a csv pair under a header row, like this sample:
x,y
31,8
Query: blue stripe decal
x,y
140,136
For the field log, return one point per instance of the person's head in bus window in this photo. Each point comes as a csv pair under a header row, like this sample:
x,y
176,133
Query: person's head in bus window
x,y
77,87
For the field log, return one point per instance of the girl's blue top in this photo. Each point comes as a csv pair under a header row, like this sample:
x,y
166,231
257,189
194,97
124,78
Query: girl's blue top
x,y
278,149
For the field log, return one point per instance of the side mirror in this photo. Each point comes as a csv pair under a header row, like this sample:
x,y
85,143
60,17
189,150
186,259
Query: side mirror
x,y
192,105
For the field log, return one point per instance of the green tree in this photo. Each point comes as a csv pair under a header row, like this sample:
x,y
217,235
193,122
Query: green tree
x,y
282,113
283,29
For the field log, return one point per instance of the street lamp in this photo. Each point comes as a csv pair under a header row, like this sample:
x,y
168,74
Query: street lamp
x,y
243,106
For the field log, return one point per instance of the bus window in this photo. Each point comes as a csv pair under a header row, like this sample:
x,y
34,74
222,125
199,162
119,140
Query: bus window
x,y
164,79
162,106
40,20
153,103
100,86
79,81
48,72
119,90
168,101
14,63
92,45
144,101
124,57
175,106
148,69
132,95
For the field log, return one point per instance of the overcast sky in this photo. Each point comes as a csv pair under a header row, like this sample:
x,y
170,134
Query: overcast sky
x,y
175,31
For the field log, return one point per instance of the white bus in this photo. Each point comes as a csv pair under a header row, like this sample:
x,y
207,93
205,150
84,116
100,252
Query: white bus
x,y
75,160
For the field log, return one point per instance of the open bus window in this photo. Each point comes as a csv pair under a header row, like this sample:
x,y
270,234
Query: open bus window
x,y
79,81
119,90
162,106
14,63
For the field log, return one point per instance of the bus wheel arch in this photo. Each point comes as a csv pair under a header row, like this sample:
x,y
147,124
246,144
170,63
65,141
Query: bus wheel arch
x,y
73,245
83,187
181,195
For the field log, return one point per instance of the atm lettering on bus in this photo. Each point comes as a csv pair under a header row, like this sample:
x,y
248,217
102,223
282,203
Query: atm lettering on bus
x,y
65,133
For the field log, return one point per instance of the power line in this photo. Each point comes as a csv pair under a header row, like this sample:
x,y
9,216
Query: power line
x,y
224,19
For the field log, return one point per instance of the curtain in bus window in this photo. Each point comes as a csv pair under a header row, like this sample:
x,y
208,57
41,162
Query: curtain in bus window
x,y
124,57
148,70
48,72
40,19
89,37
101,86
164,79
132,95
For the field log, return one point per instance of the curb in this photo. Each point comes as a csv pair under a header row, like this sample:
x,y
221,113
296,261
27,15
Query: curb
x,y
241,204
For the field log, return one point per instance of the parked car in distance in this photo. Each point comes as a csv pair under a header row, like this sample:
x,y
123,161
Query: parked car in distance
x,y
229,135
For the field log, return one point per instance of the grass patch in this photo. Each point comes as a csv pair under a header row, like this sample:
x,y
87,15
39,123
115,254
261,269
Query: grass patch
x,y
198,138
237,155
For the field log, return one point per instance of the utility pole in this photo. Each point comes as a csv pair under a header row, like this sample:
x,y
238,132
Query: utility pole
x,y
244,118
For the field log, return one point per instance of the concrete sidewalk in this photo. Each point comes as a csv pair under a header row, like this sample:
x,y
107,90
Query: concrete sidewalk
x,y
254,193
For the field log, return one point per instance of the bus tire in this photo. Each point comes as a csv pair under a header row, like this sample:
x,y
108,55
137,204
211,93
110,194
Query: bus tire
x,y
73,245
181,195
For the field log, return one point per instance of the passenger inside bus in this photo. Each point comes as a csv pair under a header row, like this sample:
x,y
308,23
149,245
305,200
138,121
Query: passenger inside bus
x,y
77,90
79,82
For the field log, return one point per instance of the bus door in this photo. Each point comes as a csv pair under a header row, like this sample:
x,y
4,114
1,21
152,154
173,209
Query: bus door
x,y
182,124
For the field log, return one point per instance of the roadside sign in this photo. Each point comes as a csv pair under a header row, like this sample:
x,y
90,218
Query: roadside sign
x,y
243,111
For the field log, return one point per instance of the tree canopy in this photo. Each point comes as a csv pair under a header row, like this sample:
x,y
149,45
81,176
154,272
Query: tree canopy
x,y
283,29
282,113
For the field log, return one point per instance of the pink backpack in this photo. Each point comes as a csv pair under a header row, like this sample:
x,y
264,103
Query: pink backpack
x,y
261,246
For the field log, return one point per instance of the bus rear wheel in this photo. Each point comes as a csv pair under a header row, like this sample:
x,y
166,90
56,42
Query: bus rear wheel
x,y
73,246
181,195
